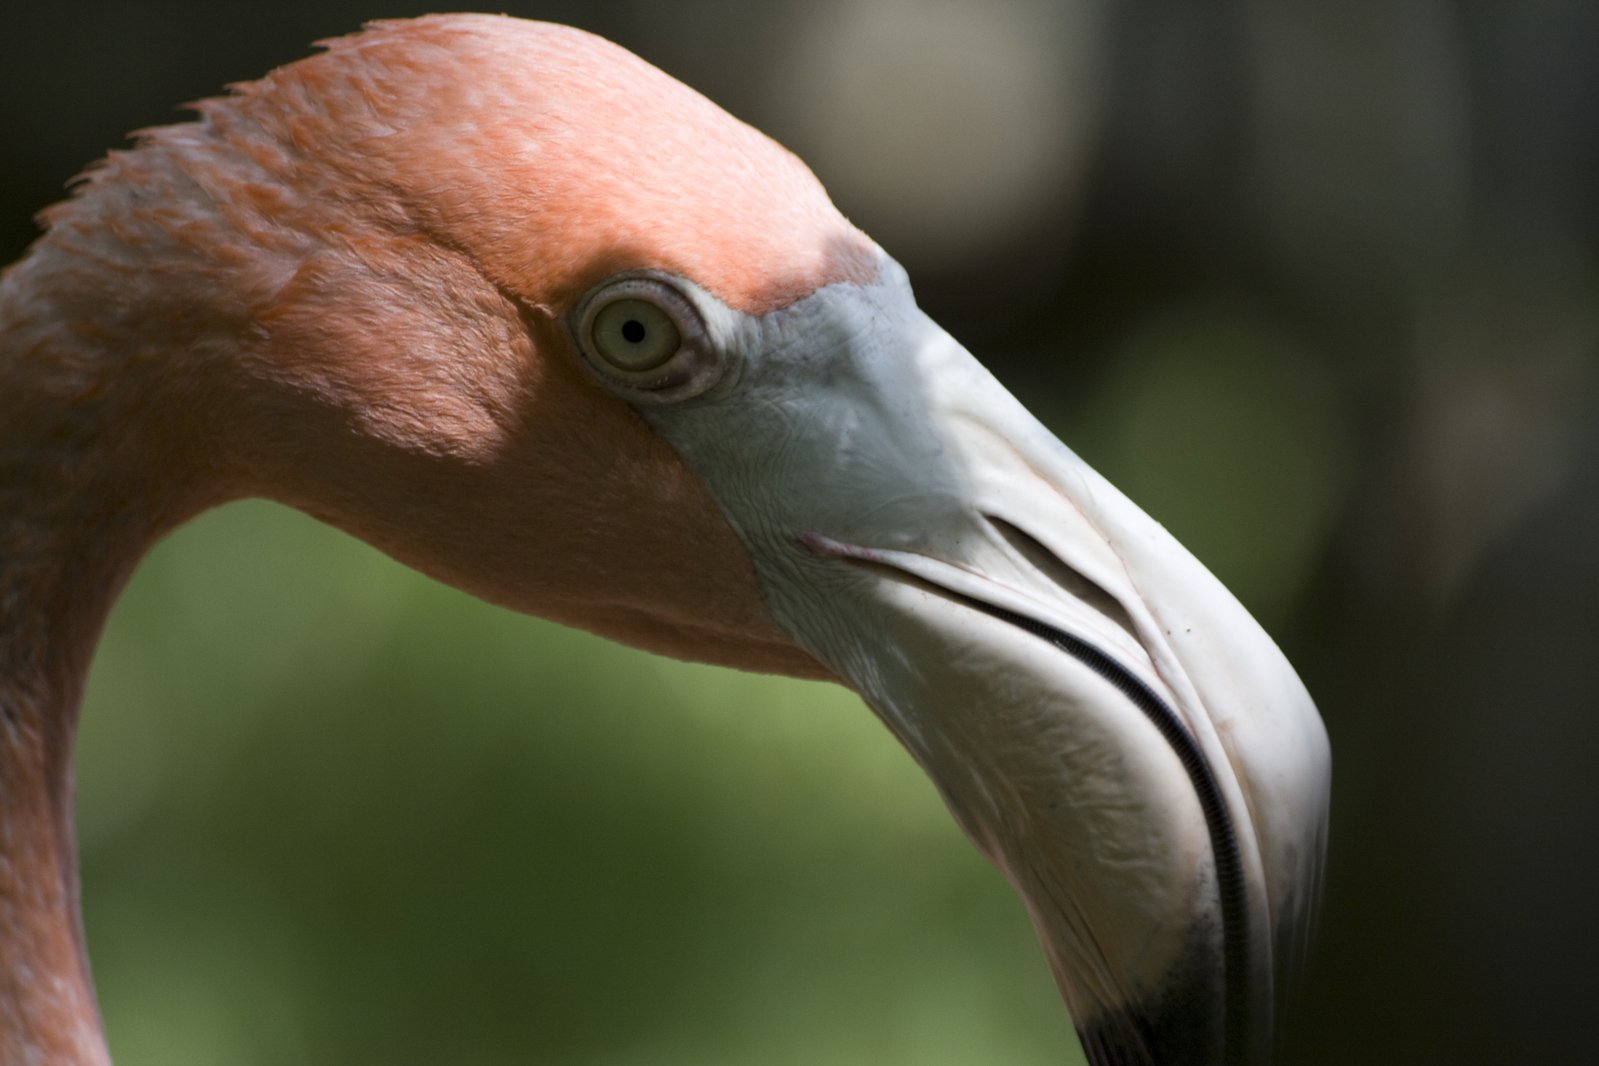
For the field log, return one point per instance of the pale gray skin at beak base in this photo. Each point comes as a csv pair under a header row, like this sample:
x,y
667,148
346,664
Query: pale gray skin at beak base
x,y
1103,719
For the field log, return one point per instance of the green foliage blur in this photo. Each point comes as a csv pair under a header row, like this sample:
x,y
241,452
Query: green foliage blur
x,y
331,811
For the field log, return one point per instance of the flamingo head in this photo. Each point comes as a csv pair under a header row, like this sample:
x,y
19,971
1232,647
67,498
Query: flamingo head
x,y
553,327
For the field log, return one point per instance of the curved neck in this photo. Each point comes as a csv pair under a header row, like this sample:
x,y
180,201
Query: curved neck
x,y
47,1011
81,498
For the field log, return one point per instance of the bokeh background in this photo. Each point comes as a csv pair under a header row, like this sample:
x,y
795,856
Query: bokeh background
x,y
1314,283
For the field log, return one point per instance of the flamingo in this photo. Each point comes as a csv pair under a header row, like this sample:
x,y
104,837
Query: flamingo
x,y
533,317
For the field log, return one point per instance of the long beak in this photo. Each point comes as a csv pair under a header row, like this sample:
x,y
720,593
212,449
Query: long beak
x,y
1106,722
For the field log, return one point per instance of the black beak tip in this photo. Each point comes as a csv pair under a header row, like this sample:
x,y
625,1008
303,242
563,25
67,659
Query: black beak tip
x,y
1161,1037
1185,1023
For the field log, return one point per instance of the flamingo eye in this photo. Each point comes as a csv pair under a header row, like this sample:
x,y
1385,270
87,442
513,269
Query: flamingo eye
x,y
634,335
646,338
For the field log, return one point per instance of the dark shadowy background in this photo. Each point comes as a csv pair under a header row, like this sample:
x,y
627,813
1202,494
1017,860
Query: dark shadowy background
x,y
1315,284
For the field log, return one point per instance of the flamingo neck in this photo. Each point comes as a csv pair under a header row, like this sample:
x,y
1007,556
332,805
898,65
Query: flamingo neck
x,y
80,501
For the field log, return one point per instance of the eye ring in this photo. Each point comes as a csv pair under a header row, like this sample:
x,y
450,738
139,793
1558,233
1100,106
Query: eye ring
x,y
644,334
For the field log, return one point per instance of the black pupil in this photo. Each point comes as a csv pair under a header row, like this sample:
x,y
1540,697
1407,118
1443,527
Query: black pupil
x,y
633,331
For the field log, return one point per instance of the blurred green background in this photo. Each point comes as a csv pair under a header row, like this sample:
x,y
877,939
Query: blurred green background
x,y
1315,284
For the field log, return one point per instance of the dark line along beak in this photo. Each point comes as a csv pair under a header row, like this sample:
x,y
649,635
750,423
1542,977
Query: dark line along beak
x,y
1232,897
1160,1032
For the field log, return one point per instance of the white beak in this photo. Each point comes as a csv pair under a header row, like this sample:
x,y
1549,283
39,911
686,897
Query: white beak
x,y
1106,722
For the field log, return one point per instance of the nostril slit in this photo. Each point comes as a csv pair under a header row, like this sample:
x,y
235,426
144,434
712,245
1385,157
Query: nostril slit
x,y
1070,580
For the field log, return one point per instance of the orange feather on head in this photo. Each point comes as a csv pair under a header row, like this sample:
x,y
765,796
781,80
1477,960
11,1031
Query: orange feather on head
x,y
555,158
